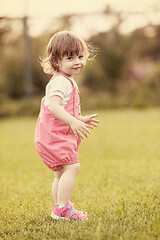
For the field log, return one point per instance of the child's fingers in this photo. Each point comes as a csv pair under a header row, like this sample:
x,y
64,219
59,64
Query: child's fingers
x,y
85,127
84,131
81,133
95,120
76,135
94,125
90,126
93,115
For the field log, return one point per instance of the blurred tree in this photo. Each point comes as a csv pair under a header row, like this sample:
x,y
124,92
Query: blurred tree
x,y
5,29
111,60
12,61
39,77
152,50
15,69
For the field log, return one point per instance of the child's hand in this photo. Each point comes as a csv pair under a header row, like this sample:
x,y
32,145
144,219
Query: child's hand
x,y
80,128
90,120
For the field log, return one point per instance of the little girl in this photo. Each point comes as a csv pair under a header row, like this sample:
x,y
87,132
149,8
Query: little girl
x,y
60,126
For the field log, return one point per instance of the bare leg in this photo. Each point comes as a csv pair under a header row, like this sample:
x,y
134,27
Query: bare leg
x,y
57,174
66,183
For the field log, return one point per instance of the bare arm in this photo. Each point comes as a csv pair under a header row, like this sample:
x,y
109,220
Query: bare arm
x,y
59,112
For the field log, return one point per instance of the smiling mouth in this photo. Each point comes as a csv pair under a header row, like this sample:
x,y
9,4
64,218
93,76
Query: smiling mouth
x,y
76,67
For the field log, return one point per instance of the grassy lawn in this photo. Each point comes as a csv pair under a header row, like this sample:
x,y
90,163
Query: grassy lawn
x,y
118,185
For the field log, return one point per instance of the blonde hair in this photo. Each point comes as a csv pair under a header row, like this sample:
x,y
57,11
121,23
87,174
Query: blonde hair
x,y
63,43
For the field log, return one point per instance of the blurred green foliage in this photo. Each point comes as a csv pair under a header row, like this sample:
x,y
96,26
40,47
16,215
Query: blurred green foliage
x,y
109,68
124,73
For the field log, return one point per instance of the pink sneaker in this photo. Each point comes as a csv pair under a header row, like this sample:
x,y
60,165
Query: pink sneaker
x,y
68,212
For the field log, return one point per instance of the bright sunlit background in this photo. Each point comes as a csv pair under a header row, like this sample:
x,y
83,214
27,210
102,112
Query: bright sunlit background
x,y
134,13
125,72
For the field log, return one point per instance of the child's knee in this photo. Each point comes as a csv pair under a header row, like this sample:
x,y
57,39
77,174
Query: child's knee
x,y
58,173
75,168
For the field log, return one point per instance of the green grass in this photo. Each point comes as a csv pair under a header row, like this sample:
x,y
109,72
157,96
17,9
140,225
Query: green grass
x,y
118,185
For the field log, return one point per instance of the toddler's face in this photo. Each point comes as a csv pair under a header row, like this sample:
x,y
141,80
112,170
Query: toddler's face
x,y
71,65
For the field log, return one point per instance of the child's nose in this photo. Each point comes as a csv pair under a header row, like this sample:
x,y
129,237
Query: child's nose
x,y
77,60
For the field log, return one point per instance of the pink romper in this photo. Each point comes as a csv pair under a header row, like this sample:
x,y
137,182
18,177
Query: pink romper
x,y
54,140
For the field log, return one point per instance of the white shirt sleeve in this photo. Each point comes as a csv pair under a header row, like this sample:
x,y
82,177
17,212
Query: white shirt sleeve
x,y
59,86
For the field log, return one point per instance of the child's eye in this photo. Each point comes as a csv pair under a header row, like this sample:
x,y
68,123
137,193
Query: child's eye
x,y
81,57
69,58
